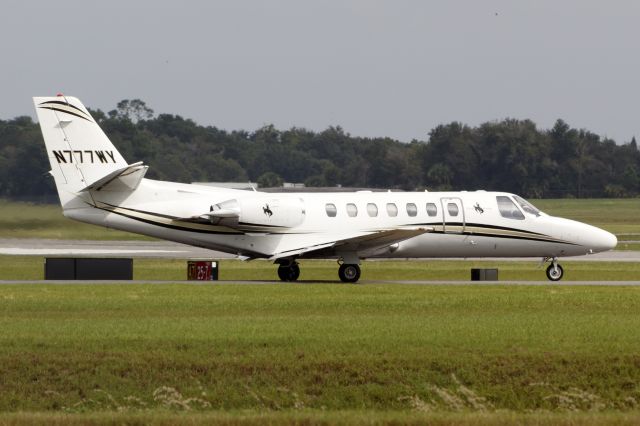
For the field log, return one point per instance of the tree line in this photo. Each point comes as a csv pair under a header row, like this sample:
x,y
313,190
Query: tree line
x,y
509,155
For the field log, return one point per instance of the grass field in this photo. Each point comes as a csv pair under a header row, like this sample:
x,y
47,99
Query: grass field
x,y
27,220
23,220
32,268
319,353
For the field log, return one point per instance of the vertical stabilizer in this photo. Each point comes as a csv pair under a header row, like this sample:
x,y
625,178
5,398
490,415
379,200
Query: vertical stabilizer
x,y
78,150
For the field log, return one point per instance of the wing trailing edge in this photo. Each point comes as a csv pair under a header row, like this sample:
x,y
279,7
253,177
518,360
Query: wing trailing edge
x,y
359,243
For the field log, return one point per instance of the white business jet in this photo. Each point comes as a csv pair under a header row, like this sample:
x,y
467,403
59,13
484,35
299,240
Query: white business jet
x,y
96,185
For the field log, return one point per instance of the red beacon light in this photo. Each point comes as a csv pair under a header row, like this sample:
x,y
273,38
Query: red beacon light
x,y
60,94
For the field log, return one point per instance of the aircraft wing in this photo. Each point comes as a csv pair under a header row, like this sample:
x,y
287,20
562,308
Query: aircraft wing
x,y
359,243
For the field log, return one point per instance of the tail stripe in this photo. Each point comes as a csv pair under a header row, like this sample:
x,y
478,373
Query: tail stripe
x,y
66,108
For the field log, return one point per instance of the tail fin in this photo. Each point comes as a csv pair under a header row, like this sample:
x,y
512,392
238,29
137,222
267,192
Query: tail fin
x,y
79,152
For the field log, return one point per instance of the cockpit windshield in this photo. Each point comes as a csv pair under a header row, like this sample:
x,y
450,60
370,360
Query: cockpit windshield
x,y
526,206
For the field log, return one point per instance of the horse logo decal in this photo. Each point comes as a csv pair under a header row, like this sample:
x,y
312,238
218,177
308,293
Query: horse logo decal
x,y
266,210
478,208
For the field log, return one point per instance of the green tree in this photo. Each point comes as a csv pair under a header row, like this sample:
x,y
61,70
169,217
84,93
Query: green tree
x,y
270,180
134,110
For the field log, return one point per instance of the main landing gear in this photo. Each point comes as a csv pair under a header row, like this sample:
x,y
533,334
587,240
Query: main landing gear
x,y
349,273
554,271
290,271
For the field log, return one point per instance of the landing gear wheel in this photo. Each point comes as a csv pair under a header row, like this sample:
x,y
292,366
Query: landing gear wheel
x,y
555,272
289,272
349,273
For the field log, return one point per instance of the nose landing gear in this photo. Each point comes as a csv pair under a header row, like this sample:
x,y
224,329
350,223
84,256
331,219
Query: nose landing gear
x,y
555,272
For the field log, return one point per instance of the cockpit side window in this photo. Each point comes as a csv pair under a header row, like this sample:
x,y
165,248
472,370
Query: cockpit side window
x,y
508,208
527,206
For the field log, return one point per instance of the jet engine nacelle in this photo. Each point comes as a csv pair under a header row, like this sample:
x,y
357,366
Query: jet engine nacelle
x,y
261,212
271,212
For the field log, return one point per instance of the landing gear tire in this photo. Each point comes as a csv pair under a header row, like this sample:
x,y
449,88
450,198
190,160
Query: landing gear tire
x,y
289,272
349,273
555,272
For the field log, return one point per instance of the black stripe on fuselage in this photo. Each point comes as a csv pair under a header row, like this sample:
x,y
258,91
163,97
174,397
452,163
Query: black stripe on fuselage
x,y
478,225
183,228
169,226
534,235
165,216
260,226
513,237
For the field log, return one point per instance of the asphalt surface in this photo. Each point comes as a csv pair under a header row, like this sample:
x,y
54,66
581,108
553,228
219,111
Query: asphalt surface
x,y
170,250
86,248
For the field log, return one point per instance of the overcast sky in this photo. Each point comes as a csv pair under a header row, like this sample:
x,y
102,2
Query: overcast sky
x,y
376,68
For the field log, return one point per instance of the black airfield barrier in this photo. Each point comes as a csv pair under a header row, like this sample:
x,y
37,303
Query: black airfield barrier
x,y
88,268
478,274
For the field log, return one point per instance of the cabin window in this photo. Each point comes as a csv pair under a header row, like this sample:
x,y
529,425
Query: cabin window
x,y
508,208
412,209
432,209
372,210
352,210
331,209
453,209
392,210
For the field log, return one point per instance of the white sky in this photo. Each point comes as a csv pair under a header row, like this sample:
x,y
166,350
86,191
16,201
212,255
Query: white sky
x,y
377,68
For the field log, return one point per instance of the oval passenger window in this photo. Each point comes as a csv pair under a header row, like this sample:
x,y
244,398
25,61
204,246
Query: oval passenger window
x,y
331,210
352,210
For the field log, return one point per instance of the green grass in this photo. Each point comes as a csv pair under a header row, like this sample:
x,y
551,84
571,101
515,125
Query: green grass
x,y
310,353
309,417
32,268
25,220
618,216
318,353
28,220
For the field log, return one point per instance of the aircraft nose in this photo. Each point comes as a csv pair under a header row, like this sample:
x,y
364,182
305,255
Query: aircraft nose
x,y
585,237
602,240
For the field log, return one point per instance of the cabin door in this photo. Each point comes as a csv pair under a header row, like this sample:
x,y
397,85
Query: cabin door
x,y
453,220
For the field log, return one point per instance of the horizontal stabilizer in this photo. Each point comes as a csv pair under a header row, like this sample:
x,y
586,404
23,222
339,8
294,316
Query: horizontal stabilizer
x,y
124,179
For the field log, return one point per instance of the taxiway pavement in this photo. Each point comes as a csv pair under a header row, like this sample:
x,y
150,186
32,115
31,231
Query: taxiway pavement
x,y
170,250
